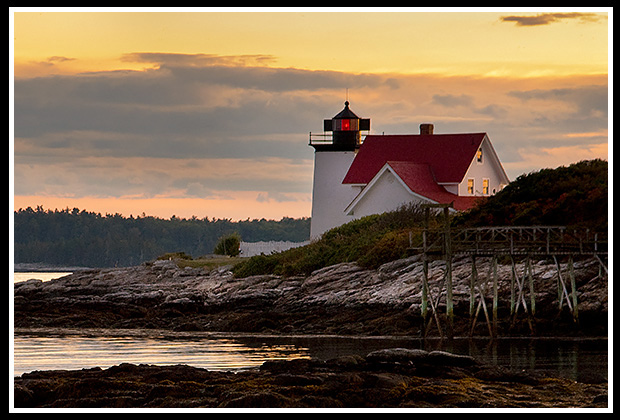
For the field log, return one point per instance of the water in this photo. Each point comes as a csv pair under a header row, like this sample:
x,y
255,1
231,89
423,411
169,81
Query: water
x,y
77,351
40,275
583,360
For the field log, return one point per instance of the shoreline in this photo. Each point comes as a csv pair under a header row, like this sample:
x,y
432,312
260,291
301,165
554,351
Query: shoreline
x,y
343,301
145,332
339,300
390,378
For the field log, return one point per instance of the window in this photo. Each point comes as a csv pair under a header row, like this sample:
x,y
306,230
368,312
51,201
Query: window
x,y
485,186
346,125
470,186
479,155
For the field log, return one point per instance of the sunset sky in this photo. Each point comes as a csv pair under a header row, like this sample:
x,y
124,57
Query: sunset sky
x,y
206,112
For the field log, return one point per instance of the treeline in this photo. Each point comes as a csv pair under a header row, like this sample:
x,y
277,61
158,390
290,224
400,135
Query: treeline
x,y
74,237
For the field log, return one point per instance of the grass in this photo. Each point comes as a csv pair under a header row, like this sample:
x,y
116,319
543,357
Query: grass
x,y
370,241
184,260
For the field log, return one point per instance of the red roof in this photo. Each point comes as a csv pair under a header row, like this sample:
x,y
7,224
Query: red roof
x,y
420,179
421,161
448,155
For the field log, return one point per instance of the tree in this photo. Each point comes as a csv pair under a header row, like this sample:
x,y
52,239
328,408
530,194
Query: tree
x,y
228,245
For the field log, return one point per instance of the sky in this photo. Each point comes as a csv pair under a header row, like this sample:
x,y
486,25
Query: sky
x,y
206,112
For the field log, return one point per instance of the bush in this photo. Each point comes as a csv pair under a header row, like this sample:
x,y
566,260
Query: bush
x,y
392,246
258,264
371,241
228,245
175,256
574,196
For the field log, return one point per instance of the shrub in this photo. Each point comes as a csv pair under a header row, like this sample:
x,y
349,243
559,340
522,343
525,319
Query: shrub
x,y
228,245
392,246
175,256
574,196
371,241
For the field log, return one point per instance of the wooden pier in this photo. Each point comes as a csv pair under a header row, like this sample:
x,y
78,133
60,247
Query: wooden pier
x,y
508,242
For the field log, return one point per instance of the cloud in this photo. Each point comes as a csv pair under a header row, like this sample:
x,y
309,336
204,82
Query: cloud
x,y
453,100
568,110
548,18
59,59
535,158
198,60
192,127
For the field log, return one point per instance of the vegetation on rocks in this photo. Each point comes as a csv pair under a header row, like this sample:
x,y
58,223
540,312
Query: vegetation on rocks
x,y
370,241
573,196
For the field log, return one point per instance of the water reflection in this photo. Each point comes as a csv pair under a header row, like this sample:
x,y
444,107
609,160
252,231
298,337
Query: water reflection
x,y
33,352
42,275
576,359
583,359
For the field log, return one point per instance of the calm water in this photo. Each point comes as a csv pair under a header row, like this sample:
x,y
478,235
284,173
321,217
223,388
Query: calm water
x,y
44,276
583,359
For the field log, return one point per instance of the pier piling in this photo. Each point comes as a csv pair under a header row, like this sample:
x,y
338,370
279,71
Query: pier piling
x,y
518,243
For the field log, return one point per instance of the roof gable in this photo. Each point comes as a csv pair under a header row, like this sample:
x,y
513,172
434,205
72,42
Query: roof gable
x,y
447,155
419,180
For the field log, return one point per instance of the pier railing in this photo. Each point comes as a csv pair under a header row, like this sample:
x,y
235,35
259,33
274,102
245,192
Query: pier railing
x,y
518,241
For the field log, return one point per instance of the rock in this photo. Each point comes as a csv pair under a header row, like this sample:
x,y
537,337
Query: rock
x,y
449,359
297,383
339,299
264,399
417,356
397,355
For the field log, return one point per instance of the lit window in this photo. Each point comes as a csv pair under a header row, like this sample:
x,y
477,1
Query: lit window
x,y
479,155
485,186
470,186
346,125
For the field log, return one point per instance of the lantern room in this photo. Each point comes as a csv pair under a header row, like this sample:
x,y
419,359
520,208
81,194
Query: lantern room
x,y
345,130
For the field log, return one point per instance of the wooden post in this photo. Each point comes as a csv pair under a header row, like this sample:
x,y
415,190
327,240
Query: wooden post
x,y
562,293
425,271
560,284
573,286
472,284
530,277
512,286
495,297
448,256
424,293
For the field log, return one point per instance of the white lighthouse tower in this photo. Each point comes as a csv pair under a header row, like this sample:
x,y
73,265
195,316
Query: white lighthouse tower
x,y
333,155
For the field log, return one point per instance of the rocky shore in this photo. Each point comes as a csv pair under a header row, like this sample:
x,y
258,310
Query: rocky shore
x,y
390,378
341,299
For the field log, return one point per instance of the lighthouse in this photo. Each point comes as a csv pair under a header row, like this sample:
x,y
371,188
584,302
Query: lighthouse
x,y
334,152
355,177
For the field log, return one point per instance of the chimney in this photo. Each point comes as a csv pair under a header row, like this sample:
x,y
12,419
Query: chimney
x,y
426,128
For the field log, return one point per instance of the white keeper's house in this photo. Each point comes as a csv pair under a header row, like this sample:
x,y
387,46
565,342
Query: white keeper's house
x,y
355,177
